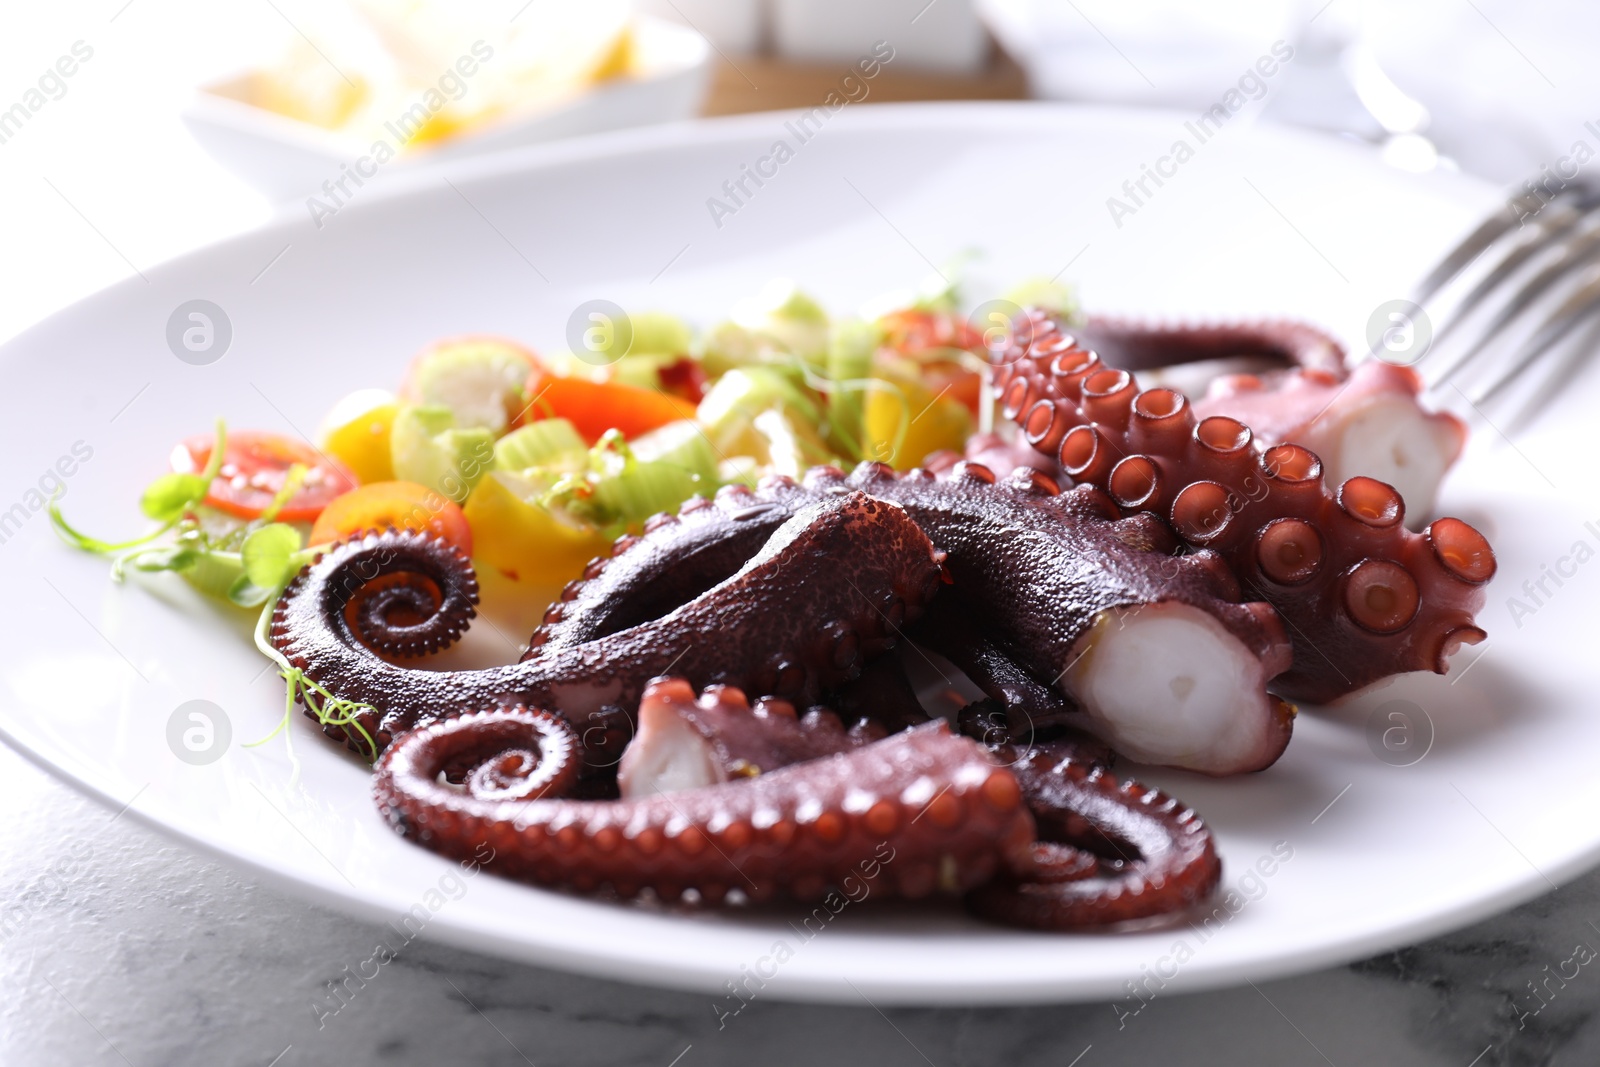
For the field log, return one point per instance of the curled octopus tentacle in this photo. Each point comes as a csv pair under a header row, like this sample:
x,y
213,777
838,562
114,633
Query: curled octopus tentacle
x,y
401,593
865,567
1109,852
920,812
1363,597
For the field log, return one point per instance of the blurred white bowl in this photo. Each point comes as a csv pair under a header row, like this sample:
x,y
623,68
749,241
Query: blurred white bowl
x,y
286,158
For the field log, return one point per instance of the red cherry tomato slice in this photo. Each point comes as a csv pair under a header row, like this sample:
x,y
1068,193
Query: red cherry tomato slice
x,y
253,470
913,331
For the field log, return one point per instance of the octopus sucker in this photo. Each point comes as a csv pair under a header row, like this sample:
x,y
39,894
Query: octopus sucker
x,y
784,833
1362,597
1370,423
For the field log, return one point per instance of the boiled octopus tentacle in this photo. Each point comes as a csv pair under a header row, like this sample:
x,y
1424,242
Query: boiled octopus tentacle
x,y
865,567
1288,382
1363,597
1371,423
1109,852
920,812
1167,665
682,742
1265,344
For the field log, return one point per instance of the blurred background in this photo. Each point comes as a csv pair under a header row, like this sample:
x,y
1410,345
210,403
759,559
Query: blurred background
x,y
133,130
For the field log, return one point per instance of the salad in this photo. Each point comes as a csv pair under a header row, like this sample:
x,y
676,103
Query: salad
x,y
533,463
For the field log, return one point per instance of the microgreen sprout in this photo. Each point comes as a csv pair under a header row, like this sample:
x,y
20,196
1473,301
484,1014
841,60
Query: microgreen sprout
x,y
329,710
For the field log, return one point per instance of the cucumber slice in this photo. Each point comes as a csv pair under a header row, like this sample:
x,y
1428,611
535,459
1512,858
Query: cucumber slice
x,y
428,448
660,470
551,443
480,380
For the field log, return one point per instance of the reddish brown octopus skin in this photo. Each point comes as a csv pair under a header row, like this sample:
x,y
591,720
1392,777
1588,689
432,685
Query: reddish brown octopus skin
x,y
720,735
1363,597
349,618
1043,567
1028,707
1134,345
1284,409
1037,836
920,812
1371,423
1110,852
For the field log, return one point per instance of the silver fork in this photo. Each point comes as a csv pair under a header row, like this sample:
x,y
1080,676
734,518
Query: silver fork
x,y
1534,266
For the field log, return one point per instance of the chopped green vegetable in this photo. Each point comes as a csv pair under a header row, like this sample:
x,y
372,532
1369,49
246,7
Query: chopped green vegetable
x,y
629,489
656,333
728,411
786,318
429,448
479,380
625,482
850,351
551,443
1048,295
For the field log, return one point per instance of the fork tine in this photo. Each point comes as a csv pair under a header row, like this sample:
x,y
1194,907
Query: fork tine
x,y
1578,305
1526,249
1572,258
1491,230
1553,379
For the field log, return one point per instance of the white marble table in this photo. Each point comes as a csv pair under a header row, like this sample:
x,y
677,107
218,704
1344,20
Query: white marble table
x,y
118,947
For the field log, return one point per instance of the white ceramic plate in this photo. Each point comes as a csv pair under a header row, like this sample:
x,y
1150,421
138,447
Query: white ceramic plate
x,y
1498,808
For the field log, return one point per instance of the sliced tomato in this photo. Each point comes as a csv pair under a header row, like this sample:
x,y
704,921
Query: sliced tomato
x,y
913,331
955,381
930,338
392,505
253,470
